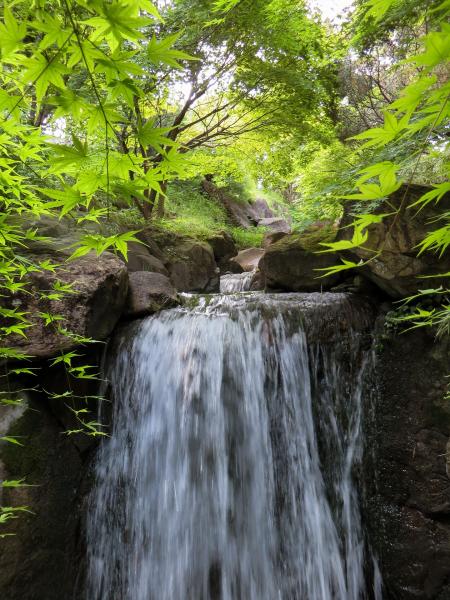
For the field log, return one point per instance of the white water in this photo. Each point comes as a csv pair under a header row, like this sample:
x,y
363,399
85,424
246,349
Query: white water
x,y
236,282
229,470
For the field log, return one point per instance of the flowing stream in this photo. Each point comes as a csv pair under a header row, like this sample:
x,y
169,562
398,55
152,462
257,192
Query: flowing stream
x,y
236,282
236,437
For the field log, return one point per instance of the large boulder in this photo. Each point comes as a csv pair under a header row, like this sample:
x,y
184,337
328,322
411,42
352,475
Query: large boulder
x,y
149,293
223,247
192,266
92,307
272,237
154,240
140,259
240,211
261,210
248,259
292,265
396,266
275,224
189,262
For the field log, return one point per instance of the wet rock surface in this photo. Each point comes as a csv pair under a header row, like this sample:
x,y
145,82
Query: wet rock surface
x,y
409,497
41,560
324,316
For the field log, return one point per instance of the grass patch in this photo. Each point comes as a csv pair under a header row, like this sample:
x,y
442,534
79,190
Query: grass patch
x,y
248,238
189,212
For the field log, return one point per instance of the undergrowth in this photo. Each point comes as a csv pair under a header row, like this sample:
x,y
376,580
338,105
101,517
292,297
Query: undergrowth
x,y
189,212
248,238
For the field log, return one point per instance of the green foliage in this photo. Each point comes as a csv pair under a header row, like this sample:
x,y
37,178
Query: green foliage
x,y
427,308
192,213
325,174
262,78
248,238
66,68
189,212
73,82
421,113
377,20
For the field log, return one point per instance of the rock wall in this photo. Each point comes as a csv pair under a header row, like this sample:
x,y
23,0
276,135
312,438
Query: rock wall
x,y
408,469
41,560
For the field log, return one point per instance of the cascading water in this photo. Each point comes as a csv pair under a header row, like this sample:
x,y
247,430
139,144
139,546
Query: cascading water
x,y
236,282
229,471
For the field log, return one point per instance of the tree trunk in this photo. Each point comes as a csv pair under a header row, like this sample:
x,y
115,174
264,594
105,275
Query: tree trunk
x,y
145,207
161,199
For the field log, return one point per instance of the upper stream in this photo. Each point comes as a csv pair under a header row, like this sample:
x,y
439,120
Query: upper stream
x,y
231,470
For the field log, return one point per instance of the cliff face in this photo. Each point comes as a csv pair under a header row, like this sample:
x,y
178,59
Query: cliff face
x,y
40,560
408,467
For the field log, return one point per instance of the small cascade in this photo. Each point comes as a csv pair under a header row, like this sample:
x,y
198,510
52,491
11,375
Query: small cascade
x,y
230,470
236,282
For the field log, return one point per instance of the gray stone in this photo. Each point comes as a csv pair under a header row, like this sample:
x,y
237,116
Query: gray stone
x,y
149,237
192,266
275,224
257,284
248,259
223,247
92,309
140,259
149,293
290,265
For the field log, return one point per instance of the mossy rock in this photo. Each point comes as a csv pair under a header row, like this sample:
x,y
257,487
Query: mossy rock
x,y
312,237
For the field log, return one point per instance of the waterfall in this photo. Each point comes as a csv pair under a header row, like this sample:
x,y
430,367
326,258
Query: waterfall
x,y
236,436
236,282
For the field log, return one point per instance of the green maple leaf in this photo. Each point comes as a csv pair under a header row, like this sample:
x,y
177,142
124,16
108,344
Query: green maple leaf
x,y
11,33
43,72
